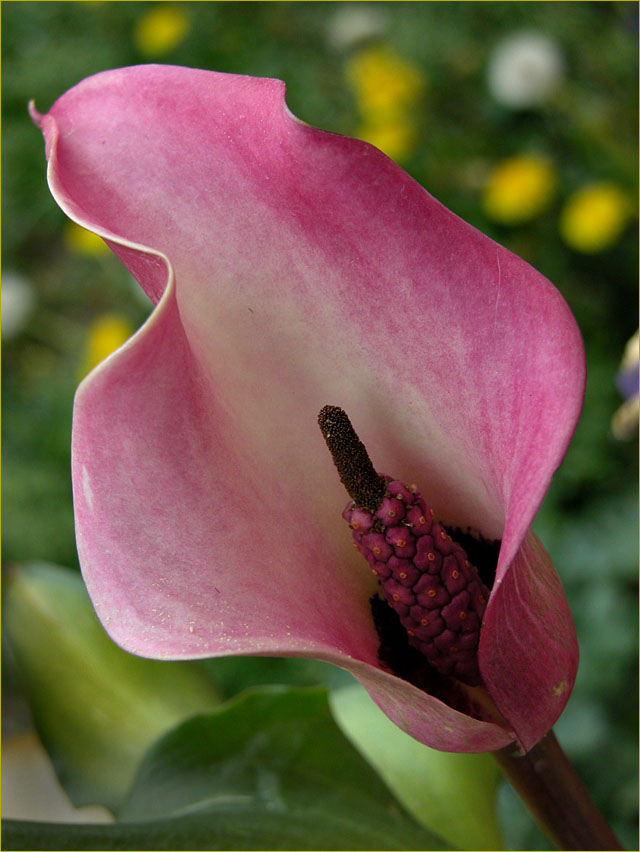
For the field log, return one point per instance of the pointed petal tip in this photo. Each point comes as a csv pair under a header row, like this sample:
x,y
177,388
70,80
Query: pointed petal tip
x,y
36,116
46,123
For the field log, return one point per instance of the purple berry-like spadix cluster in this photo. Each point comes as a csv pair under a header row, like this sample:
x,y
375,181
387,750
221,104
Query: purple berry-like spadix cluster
x,y
424,575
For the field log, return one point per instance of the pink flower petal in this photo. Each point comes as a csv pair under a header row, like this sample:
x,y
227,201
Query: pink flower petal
x,y
304,268
528,636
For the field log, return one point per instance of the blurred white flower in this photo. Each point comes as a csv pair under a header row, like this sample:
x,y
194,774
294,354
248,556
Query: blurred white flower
x,y
627,379
353,23
524,69
31,790
18,301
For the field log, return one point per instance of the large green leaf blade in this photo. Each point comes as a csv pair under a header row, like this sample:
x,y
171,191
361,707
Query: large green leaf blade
x,y
275,755
225,827
96,707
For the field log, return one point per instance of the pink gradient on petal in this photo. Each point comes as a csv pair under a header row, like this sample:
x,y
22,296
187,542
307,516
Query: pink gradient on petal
x,y
208,511
529,635
328,242
191,601
192,582
427,719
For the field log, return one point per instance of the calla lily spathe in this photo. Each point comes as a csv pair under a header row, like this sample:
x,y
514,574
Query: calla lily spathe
x,y
292,268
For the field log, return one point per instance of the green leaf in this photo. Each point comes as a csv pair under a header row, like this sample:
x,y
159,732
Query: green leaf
x,y
273,761
226,827
232,675
96,707
452,794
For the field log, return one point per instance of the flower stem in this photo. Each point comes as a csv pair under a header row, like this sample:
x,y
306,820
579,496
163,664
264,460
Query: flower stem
x,y
550,787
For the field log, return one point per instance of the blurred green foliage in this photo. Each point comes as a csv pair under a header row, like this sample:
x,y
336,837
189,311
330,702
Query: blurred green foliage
x,y
587,130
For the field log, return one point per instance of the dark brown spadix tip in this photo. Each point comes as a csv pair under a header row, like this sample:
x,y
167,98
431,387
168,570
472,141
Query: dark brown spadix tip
x,y
366,487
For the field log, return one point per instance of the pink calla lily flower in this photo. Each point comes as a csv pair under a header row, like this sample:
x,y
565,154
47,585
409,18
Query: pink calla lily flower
x,y
293,268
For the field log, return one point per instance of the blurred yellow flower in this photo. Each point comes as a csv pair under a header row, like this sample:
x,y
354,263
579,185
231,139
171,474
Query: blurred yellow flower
x,y
106,334
395,138
80,241
594,217
384,84
160,30
624,423
519,189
